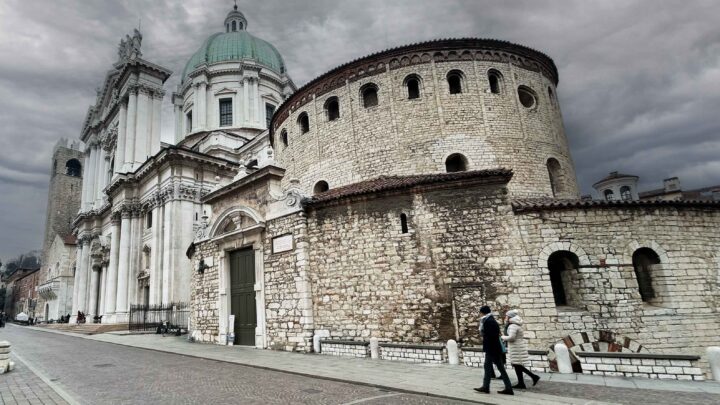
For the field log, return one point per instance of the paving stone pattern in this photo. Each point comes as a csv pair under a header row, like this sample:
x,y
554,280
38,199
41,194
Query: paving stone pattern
x,y
22,386
95,372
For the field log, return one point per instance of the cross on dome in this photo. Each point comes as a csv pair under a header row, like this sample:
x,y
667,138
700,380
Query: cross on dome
x,y
235,20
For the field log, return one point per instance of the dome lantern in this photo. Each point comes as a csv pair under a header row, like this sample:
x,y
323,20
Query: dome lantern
x,y
235,20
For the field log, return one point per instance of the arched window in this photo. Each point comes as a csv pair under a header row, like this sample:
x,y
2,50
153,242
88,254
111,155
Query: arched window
x,y
148,220
527,97
412,83
562,266
455,81
494,80
304,123
609,195
73,168
320,187
284,137
555,174
403,223
456,163
644,261
625,193
234,26
332,109
369,94
551,95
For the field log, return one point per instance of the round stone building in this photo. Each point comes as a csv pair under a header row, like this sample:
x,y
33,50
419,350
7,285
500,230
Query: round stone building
x,y
439,106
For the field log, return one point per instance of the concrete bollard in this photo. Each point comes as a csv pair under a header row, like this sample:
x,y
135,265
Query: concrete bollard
x,y
562,356
374,348
713,356
316,343
5,363
453,353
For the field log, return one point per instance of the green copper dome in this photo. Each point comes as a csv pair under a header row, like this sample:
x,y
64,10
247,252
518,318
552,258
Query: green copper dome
x,y
235,46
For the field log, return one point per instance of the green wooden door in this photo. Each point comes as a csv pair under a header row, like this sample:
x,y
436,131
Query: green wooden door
x,y
242,295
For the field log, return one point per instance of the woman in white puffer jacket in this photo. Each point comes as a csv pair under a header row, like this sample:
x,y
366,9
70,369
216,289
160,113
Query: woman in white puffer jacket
x,y
517,352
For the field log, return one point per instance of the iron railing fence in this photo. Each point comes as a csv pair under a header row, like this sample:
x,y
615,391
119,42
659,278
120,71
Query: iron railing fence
x,y
151,317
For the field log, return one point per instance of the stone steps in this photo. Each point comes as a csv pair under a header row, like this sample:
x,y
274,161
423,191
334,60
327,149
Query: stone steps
x,y
86,329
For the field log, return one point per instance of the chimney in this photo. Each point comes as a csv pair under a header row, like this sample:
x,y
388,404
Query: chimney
x,y
672,184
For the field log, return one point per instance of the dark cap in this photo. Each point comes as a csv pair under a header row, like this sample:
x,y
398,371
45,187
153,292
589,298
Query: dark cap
x,y
485,309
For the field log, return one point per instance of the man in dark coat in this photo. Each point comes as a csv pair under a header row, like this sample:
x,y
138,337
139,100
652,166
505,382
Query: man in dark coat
x,y
490,331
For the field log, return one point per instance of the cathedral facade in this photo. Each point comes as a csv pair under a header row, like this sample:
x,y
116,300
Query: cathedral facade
x,y
388,198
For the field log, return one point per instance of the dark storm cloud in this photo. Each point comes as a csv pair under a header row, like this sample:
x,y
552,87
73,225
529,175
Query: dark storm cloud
x,y
639,80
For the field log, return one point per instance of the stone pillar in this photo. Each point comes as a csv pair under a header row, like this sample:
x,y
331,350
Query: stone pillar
x,y
246,100
374,348
563,359
101,293
179,133
101,175
141,127
135,255
92,307
453,353
156,257
713,356
120,146
121,304
167,265
85,179
112,278
83,276
130,131
76,280
203,113
156,122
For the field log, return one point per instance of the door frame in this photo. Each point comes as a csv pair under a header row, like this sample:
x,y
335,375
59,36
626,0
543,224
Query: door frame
x,y
250,238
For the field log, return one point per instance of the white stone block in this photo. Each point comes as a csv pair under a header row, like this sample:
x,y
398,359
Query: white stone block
x,y
374,348
316,344
453,353
563,359
713,356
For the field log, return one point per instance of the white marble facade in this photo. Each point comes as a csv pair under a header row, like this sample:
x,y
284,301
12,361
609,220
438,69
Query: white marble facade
x,y
141,198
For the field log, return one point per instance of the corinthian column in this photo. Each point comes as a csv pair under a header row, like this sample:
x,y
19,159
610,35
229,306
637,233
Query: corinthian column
x,y
93,293
121,304
130,131
111,280
82,277
76,280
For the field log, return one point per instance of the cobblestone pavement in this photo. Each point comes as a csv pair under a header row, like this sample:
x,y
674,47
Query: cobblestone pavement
x,y
22,386
101,373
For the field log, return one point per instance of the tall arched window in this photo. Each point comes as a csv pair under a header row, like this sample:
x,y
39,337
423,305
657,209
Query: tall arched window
x,y
551,95
284,137
234,26
304,123
644,261
455,81
562,266
332,109
321,187
555,174
73,168
412,83
369,94
625,193
403,223
456,163
494,80
609,195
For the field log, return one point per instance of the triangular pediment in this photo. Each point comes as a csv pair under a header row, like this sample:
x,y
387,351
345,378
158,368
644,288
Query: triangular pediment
x,y
225,90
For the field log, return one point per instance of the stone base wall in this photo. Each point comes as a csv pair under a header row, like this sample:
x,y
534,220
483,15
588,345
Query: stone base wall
x,y
664,368
475,357
413,353
344,348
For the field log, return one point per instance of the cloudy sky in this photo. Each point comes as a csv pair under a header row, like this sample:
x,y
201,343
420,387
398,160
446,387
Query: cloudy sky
x,y
639,80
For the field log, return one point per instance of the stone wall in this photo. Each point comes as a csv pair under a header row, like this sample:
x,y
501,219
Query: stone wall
x,y
345,348
402,136
371,280
604,238
204,295
667,367
475,357
413,353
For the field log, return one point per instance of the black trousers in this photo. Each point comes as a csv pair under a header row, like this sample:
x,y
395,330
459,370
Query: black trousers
x,y
519,370
495,359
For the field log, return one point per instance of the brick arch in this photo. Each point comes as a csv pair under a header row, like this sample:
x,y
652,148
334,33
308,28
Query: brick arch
x,y
635,245
553,247
601,341
228,215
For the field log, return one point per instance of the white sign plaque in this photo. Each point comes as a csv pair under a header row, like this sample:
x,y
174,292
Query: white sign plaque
x,y
282,243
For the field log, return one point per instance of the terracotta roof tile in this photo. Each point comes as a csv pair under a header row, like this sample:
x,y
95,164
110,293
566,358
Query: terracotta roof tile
x,y
391,183
540,204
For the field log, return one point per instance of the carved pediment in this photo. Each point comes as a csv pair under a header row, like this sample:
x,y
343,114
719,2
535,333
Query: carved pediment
x,y
225,90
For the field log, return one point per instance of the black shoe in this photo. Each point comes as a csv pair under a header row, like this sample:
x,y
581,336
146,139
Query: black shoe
x,y
507,391
535,379
482,390
520,386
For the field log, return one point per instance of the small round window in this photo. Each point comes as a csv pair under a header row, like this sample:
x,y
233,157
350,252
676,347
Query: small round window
x,y
527,97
